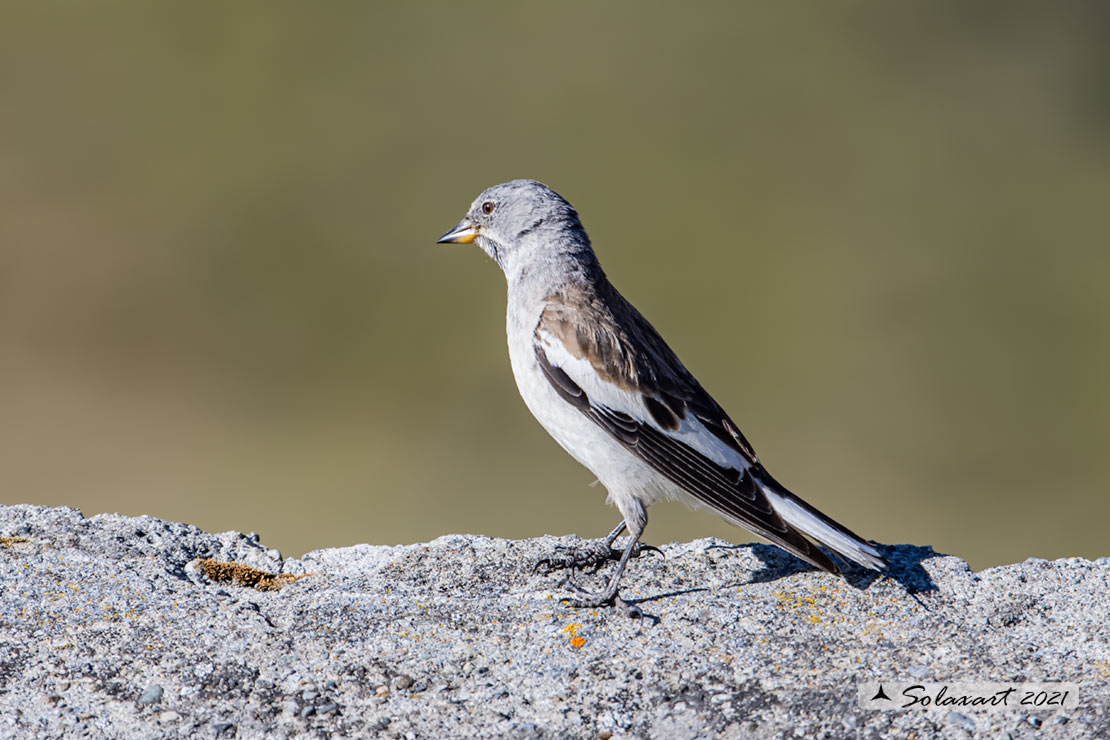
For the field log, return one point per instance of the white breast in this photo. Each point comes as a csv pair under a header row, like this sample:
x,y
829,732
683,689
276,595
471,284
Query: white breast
x,y
621,472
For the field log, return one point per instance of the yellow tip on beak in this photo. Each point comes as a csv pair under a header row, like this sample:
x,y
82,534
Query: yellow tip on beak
x,y
463,233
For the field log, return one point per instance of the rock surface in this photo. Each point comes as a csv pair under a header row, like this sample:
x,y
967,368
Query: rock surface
x,y
110,626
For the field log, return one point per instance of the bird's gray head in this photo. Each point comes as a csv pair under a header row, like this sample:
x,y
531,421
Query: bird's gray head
x,y
524,224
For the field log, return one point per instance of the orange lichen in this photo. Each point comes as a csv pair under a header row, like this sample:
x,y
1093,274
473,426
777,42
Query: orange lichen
x,y
575,641
246,576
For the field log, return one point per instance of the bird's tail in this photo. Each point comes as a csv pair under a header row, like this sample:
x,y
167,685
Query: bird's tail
x,y
810,521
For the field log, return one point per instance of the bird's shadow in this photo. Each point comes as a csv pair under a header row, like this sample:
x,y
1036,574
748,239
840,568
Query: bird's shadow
x,y
904,566
653,618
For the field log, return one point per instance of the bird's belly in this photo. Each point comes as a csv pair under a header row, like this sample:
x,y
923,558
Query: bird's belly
x,y
621,472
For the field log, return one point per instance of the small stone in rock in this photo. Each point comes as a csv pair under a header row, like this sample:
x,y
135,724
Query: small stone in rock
x,y
152,695
962,720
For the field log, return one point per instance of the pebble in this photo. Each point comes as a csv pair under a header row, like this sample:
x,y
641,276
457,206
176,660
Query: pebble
x,y
152,695
961,719
169,716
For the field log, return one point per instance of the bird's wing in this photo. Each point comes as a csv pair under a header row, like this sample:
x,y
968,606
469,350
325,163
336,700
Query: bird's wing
x,y
602,357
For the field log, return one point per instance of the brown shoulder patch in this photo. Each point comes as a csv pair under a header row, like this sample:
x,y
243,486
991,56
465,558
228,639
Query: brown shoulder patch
x,y
585,325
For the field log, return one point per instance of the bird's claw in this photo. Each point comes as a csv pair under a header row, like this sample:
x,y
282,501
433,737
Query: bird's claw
x,y
588,600
592,601
590,556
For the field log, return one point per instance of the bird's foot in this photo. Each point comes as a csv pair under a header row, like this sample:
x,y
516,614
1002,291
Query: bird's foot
x,y
590,556
590,600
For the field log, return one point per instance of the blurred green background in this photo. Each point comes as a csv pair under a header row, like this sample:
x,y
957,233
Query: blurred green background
x,y
878,233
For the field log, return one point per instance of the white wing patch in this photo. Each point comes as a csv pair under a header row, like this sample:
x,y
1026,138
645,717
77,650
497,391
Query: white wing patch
x,y
600,392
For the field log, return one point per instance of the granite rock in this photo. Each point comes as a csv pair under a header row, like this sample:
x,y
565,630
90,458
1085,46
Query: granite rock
x,y
113,626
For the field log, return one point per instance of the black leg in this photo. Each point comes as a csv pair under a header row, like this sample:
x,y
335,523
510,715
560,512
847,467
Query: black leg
x,y
636,519
609,595
612,536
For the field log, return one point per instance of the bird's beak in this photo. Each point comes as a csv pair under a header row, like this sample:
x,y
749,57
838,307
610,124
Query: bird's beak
x,y
464,232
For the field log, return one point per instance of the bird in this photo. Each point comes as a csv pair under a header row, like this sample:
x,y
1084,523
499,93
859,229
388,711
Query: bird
x,y
607,387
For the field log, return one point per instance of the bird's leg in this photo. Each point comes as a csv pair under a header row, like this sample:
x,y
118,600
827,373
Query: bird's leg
x,y
591,555
612,536
609,595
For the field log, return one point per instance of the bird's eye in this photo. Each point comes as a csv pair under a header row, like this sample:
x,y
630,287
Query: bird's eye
x,y
487,208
